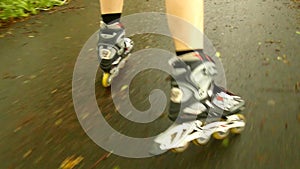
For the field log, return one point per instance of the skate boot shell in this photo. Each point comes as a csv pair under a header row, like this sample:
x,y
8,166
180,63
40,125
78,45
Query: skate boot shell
x,y
199,107
113,50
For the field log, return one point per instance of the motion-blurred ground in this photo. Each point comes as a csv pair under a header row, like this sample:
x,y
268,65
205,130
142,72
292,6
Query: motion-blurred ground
x,y
259,45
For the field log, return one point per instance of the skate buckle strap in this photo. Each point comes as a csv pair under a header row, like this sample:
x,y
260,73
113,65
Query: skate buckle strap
x,y
202,93
105,54
224,101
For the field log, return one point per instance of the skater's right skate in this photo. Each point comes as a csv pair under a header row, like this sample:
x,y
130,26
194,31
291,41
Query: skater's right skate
x,y
198,106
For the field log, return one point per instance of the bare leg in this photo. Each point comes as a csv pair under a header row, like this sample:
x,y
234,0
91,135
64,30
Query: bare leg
x,y
191,52
111,6
191,11
111,10
112,44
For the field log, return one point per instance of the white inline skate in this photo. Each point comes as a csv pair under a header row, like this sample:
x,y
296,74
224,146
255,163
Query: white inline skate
x,y
113,50
178,136
205,109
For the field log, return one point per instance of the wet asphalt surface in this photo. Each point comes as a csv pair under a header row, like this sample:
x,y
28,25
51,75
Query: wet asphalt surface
x,y
259,46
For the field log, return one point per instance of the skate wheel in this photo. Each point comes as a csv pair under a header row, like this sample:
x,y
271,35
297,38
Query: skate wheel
x,y
238,130
221,135
200,141
106,80
180,149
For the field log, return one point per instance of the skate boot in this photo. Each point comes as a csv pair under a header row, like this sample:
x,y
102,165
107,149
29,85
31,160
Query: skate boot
x,y
198,106
113,50
193,89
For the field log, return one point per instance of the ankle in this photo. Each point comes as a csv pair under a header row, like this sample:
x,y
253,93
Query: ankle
x,y
111,18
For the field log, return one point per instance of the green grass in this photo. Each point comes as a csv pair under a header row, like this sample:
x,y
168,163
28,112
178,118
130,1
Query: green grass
x,y
11,9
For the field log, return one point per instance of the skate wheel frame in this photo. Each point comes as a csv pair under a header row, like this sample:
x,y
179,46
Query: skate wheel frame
x,y
220,135
106,80
238,130
180,149
200,142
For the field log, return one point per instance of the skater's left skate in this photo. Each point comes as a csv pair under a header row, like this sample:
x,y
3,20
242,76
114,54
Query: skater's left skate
x,y
113,50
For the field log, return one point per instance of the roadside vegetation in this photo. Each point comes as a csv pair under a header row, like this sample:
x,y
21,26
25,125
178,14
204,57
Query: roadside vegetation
x,y
16,9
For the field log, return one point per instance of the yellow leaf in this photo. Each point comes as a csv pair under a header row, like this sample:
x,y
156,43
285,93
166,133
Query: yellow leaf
x,y
116,167
286,61
17,129
32,77
58,111
53,91
279,58
70,162
218,54
27,153
58,122
26,81
124,88
225,142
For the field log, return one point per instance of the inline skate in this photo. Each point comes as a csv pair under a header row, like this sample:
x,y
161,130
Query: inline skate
x,y
206,110
113,50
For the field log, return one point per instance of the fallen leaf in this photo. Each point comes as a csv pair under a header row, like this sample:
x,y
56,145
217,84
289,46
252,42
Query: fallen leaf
x,y
58,122
124,88
271,102
15,102
71,162
32,77
38,160
262,123
67,37
284,57
17,129
286,61
272,41
20,76
298,32
30,36
27,153
2,35
116,167
262,158
103,157
26,81
279,58
84,116
58,111
225,142
259,43
53,91
9,76
286,125
297,87
266,61
218,54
